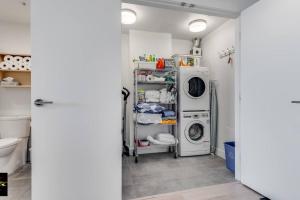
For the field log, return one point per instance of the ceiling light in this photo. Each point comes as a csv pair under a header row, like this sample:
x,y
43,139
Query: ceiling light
x,y
197,25
128,16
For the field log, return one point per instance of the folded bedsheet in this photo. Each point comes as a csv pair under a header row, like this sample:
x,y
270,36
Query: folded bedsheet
x,y
146,118
152,95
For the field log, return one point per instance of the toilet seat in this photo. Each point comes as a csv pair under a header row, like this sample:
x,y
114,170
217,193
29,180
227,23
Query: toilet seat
x,y
7,142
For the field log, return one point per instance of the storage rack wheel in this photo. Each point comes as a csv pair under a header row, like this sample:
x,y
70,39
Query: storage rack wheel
x,y
136,160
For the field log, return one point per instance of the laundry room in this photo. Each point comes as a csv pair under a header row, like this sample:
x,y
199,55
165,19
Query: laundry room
x,y
178,77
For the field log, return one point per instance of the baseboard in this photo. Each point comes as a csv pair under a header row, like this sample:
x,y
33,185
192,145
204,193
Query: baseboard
x,y
220,152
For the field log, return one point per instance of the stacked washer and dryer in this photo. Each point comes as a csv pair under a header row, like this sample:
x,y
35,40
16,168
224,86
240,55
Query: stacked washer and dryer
x,y
194,111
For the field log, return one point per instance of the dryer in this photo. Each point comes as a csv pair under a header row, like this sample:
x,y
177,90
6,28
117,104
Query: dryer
x,y
193,89
194,133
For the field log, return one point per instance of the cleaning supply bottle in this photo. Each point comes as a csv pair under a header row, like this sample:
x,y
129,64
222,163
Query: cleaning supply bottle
x,y
150,58
153,58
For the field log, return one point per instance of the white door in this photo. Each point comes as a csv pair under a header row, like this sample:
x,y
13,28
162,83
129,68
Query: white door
x,y
270,80
76,64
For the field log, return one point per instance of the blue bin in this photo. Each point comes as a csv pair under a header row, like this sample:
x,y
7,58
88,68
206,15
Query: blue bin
x,y
230,155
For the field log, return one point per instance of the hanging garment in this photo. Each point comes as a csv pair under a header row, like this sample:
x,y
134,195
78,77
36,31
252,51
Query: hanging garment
x,y
213,117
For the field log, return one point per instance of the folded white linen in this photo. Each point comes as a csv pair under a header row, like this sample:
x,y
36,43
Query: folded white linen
x,y
154,141
165,96
8,79
166,138
151,78
165,135
152,100
154,94
145,118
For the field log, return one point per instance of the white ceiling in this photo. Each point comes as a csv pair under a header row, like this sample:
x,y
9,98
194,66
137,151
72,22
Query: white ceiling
x,y
149,18
227,8
15,11
169,21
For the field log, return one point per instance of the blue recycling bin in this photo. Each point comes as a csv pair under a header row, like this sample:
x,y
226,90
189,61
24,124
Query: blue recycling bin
x,y
230,155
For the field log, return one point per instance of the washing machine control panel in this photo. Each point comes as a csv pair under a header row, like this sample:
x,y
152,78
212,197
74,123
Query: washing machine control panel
x,y
196,115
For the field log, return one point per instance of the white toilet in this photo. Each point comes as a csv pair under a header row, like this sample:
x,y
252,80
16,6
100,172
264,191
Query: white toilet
x,y
14,133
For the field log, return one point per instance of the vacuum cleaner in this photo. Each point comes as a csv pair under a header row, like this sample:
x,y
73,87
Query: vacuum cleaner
x,y
125,93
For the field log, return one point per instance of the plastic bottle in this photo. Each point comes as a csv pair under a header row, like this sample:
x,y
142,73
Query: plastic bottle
x,y
153,58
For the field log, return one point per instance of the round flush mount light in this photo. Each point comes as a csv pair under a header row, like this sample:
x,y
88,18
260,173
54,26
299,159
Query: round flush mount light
x,y
197,25
128,16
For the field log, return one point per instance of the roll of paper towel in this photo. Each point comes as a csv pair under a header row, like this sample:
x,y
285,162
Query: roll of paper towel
x,y
18,60
22,67
28,68
5,65
27,60
14,66
9,59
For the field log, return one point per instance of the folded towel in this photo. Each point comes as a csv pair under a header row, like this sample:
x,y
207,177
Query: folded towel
x,y
151,78
168,121
8,79
165,96
145,118
169,118
154,141
166,138
164,135
152,95
9,83
168,113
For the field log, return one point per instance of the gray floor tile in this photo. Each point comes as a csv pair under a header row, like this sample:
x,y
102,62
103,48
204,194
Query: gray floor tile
x,y
161,173
19,185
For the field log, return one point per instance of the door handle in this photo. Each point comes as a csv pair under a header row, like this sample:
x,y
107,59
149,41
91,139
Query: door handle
x,y
41,102
295,102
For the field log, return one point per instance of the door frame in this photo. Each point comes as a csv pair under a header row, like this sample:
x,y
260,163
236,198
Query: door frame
x,y
237,61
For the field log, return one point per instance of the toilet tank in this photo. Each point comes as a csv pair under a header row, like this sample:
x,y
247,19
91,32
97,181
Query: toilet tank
x,y
14,126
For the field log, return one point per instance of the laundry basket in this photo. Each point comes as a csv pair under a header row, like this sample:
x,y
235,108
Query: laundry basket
x,y
230,155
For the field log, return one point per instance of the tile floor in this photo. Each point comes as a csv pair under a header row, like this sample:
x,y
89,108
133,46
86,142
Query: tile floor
x,y
154,174
161,173
227,191
19,185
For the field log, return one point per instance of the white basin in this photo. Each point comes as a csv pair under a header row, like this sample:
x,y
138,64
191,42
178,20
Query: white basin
x,y
7,146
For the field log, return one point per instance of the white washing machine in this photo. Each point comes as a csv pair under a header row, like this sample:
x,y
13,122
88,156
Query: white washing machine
x,y
193,89
194,133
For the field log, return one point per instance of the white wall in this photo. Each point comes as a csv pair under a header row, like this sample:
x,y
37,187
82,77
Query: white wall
x,y
136,44
181,46
14,39
270,128
215,42
15,101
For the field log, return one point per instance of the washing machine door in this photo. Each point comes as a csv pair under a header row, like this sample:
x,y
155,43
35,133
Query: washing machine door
x,y
195,87
194,132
